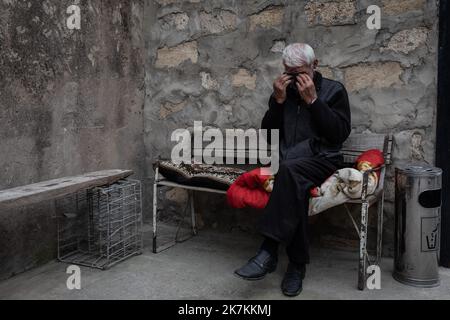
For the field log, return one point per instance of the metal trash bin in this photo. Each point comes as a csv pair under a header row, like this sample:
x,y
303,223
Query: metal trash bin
x,y
417,225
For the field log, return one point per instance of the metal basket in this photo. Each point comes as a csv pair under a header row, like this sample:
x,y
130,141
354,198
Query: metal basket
x,y
102,226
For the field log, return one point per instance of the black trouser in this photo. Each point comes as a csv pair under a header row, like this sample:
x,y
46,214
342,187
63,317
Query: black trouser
x,y
285,218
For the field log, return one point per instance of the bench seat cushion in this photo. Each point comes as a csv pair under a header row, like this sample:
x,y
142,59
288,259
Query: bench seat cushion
x,y
199,175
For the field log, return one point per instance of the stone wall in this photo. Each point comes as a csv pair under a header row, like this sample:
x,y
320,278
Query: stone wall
x,y
71,101
215,61
110,95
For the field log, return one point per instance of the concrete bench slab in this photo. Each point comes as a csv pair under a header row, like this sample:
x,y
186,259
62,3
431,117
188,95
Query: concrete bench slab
x,y
52,189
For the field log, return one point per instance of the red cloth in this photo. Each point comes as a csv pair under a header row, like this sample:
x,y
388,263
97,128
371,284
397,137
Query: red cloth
x,y
371,158
248,191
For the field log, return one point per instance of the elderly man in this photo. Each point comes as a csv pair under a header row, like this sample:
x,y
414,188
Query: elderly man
x,y
313,116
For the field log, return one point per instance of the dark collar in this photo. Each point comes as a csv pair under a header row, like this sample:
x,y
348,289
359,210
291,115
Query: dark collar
x,y
317,80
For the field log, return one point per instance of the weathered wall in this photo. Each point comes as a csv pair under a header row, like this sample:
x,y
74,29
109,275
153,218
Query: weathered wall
x,y
71,101
215,61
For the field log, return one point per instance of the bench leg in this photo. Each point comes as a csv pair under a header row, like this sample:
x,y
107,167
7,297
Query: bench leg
x,y
380,212
190,204
189,207
362,267
193,218
155,213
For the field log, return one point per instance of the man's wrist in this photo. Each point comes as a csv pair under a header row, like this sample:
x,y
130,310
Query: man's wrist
x,y
278,100
314,100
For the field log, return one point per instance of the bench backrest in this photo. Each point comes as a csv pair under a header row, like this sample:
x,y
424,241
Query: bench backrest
x,y
358,143
355,145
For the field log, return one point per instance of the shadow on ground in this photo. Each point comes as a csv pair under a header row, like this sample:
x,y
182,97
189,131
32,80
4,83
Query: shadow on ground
x,y
202,268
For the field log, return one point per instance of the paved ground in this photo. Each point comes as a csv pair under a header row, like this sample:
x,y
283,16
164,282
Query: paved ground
x,y
202,268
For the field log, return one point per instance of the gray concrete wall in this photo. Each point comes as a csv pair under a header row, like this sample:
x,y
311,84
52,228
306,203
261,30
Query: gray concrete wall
x,y
215,61
71,101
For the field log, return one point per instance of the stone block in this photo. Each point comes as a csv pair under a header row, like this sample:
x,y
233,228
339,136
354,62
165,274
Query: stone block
x,y
333,13
169,108
268,18
218,22
413,146
372,75
406,41
244,78
208,82
278,46
179,21
167,2
174,56
401,6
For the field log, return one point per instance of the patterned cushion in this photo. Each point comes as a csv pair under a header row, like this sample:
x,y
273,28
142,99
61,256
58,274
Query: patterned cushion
x,y
199,175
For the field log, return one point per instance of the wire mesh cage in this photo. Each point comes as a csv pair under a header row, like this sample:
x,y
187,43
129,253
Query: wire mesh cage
x,y
102,226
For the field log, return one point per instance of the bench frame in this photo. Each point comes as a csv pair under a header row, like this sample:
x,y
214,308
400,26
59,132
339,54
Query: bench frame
x,y
352,148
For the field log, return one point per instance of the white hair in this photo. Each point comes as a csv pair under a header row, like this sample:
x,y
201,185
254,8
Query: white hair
x,y
298,54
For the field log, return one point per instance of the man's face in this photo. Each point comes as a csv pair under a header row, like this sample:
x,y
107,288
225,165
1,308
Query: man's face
x,y
308,70
295,71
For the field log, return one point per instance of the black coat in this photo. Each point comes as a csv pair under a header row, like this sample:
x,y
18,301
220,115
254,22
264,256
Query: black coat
x,y
318,129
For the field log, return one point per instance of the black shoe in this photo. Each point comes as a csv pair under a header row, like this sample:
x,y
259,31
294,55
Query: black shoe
x,y
258,266
292,283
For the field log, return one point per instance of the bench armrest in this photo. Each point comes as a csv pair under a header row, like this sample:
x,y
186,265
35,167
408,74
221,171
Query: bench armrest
x,y
374,169
365,181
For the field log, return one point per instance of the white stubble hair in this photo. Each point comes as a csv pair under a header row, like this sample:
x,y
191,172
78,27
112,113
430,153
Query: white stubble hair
x,y
298,54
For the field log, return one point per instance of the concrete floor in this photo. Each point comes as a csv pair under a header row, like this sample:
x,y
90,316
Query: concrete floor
x,y
202,268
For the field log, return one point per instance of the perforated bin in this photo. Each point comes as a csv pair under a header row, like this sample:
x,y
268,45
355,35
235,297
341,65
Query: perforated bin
x,y
417,225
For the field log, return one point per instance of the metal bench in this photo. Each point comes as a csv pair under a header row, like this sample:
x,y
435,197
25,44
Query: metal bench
x,y
352,148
